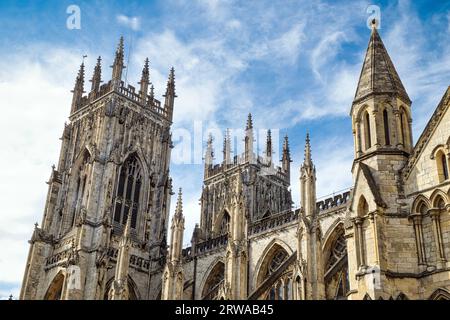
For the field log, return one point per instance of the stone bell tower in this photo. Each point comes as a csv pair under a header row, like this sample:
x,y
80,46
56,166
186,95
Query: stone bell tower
x,y
381,119
113,171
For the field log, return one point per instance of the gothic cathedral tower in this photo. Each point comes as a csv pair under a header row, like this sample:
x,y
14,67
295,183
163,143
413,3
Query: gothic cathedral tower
x,y
103,234
381,120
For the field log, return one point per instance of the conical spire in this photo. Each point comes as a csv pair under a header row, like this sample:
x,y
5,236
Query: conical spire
x,y
308,161
170,93
179,208
378,74
249,122
145,80
97,76
118,62
78,89
286,157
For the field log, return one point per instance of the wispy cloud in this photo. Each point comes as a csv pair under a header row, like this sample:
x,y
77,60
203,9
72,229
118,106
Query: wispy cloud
x,y
134,23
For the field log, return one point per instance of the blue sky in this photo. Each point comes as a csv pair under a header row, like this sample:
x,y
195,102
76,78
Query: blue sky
x,y
293,64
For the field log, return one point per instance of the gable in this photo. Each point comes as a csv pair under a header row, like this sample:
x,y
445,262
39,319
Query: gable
x,y
421,172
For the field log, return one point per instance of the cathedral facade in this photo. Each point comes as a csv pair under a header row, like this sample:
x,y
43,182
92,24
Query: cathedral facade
x,y
105,227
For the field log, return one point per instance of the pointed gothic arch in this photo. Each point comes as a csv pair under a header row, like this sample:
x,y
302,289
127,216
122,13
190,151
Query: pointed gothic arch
x,y
55,289
276,252
440,294
336,264
213,281
222,223
363,206
129,190
438,199
420,204
77,189
133,291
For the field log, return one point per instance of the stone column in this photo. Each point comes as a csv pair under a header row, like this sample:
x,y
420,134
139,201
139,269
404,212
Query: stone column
x,y
435,217
417,221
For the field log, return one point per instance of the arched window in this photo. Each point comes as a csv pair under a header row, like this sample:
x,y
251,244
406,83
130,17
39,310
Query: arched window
x,y
54,292
387,139
224,223
442,167
128,192
277,260
336,268
402,127
363,207
213,282
367,138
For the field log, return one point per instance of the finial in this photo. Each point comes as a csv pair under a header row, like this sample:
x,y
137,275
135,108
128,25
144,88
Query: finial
x,y
374,24
36,225
152,92
249,122
308,160
179,208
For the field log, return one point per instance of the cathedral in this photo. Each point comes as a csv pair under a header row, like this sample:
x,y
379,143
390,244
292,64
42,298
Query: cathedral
x,y
105,232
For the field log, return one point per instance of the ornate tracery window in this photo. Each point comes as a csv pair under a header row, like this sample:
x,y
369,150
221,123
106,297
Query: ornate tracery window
x,y
128,192
213,282
336,270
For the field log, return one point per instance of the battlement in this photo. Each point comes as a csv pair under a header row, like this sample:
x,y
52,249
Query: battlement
x,y
127,91
333,202
263,163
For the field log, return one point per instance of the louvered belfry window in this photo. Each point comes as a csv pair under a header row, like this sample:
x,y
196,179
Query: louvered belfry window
x,y
128,191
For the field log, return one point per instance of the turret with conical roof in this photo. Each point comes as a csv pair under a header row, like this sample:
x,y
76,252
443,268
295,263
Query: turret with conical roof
x,y
381,109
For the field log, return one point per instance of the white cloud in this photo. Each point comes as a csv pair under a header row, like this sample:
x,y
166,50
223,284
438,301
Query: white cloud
x,y
35,95
134,23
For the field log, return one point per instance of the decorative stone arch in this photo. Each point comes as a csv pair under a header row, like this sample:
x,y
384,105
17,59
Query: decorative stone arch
x,y
335,262
213,278
440,155
337,223
386,116
440,294
133,290
402,296
224,214
405,119
55,289
363,206
267,256
417,204
363,131
76,188
436,196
